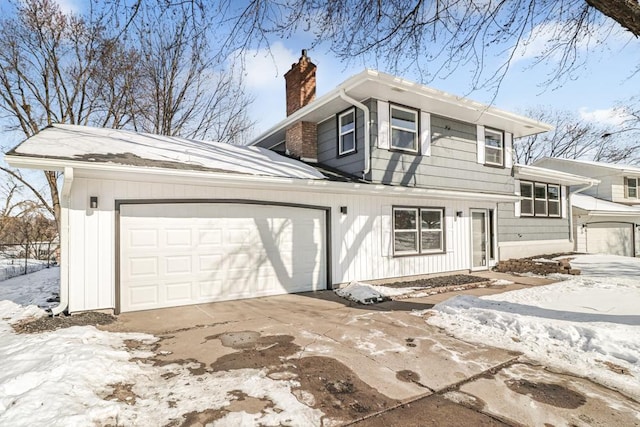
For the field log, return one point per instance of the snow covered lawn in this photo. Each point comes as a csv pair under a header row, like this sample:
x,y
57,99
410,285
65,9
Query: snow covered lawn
x,y
12,267
32,289
588,325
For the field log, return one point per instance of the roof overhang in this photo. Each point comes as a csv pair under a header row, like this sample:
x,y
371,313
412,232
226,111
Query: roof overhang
x,y
377,85
536,173
124,172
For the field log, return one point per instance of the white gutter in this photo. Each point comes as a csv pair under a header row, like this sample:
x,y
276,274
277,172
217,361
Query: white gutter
x,y
367,130
571,193
65,198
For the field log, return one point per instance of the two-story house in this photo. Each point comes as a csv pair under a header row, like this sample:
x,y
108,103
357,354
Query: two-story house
x,y
389,131
607,214
381,177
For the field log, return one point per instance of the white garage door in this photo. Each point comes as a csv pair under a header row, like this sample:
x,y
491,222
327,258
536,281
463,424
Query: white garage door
x,y
610,238
179,254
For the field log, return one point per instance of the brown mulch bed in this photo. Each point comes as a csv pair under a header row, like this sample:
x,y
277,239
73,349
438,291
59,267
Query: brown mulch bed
x,y
45,324
438,282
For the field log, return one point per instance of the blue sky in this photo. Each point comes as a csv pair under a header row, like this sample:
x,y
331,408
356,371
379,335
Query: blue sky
x,y
605,80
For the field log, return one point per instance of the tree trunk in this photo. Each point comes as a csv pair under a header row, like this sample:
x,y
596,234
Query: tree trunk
x,y
625,12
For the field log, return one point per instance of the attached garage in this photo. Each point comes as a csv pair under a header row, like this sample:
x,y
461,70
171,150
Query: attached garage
x,y
610,238
173,254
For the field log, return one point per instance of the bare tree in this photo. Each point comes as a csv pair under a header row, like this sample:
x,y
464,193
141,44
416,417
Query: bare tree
x,y
436,37
146,70
574,138
187,92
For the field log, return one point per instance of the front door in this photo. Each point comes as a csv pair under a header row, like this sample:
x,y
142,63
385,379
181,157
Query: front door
x,y
479,239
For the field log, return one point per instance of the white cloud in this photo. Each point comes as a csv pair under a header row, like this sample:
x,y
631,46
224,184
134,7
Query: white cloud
x,y
613,116
264,79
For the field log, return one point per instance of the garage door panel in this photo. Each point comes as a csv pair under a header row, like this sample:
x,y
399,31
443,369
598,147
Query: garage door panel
x,y
178,265
179,292
177,254
178,237
209,237
142,267
144,295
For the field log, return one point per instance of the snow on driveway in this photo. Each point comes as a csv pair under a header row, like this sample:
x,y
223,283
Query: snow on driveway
x,y
588,325
66,377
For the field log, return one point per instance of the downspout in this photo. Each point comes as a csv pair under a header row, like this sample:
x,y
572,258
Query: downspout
x,y
570,213
67,182
367,130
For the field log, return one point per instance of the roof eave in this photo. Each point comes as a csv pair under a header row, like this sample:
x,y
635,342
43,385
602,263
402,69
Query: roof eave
x,y
534,126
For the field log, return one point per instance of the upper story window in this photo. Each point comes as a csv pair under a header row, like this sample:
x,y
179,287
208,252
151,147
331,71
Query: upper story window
x,y
493,147
631,188
418,230
539,199
347,132
404,129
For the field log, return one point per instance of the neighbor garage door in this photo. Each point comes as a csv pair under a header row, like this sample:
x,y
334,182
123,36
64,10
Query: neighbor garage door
x,y
189,253
610,238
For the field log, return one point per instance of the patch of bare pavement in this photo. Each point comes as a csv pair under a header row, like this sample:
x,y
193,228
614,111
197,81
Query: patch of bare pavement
x,y
362,365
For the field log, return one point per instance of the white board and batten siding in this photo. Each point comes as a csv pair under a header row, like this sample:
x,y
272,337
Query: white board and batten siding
x,y
357,239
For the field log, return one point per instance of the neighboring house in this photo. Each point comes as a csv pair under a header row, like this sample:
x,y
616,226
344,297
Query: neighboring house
x,y
394,179
607,214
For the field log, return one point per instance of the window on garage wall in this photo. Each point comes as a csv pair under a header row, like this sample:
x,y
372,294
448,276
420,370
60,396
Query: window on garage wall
x,y
418,230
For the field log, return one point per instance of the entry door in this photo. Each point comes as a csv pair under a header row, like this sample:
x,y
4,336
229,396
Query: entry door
x,y
479,239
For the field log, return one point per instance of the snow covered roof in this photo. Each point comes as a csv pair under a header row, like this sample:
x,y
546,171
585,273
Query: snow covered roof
x,y
71,143
557,177
552,161
599,207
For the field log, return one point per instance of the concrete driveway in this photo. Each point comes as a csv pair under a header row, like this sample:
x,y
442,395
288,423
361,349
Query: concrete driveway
x,y
373,365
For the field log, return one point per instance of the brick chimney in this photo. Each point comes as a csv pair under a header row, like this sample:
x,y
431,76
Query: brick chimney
x,y
301,137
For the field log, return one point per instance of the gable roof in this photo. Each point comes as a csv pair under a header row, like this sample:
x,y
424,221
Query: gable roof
x,y
599,207
374,84
62,145
555,162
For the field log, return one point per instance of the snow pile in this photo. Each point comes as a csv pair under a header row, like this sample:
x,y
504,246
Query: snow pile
x,y
15,267
32,289
68,377
588,326
365,293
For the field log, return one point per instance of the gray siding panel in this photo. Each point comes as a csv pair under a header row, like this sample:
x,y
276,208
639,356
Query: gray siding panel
x,y
452,164
512,229
328,146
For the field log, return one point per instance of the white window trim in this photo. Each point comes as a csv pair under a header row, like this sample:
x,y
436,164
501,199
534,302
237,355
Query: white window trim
x,y
418,230
535,199
392,127
557,201
532,199
403,230
341,134
501,149
626,187
441,230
